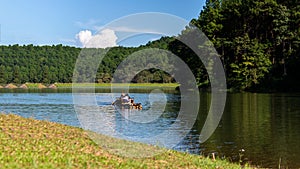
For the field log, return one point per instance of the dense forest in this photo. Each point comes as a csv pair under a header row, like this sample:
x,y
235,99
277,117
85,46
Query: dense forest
x,y
257,41
56,63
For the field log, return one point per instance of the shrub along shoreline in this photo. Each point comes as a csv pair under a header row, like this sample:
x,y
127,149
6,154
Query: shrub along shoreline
x,y
30,143
87,85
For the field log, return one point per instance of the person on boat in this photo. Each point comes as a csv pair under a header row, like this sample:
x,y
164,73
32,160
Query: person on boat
x,y
122,96
125,98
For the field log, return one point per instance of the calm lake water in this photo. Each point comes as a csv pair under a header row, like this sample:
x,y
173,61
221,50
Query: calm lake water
x,y
262,129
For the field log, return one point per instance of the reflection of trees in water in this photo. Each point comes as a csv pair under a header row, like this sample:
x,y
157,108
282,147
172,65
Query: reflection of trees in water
x,y
191,143
264,125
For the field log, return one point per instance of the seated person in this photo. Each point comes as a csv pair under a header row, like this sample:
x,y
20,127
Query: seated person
x,y
125,98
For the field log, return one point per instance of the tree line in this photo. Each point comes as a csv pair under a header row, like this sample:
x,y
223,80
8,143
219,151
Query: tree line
x,y
56,63
37,64
257,42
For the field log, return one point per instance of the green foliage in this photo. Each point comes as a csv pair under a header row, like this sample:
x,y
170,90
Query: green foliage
x,y
258,41
2,75
37,64
50,64
250,64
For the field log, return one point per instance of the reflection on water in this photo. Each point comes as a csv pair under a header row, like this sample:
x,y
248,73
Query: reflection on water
x,y
261,129
43,106
265,126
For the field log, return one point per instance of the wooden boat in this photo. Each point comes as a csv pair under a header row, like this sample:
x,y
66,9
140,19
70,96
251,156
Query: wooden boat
x,y
127,105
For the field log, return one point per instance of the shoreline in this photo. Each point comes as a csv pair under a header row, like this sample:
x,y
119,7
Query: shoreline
x,y
107,86
86,85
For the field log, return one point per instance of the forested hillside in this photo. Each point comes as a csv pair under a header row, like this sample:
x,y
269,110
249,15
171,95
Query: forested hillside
x,y
49,64
46,64
257,41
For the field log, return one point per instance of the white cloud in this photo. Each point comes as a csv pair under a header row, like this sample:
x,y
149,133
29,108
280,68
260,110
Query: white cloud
x,y
105,38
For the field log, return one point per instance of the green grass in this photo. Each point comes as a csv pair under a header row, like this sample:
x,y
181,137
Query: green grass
x,y
108,85
32,85
29,143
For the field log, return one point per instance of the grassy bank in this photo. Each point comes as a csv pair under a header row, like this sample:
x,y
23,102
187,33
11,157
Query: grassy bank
x,y
108,85
87,85
29,143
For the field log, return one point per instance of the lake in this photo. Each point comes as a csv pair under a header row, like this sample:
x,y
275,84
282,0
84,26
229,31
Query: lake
x,y
261,129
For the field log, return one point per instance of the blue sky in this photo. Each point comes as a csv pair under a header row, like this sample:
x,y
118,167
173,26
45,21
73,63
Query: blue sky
x,y
60,21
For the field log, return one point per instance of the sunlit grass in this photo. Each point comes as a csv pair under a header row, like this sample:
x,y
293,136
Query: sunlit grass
x,y
163,85
33,85
29,143
104,85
